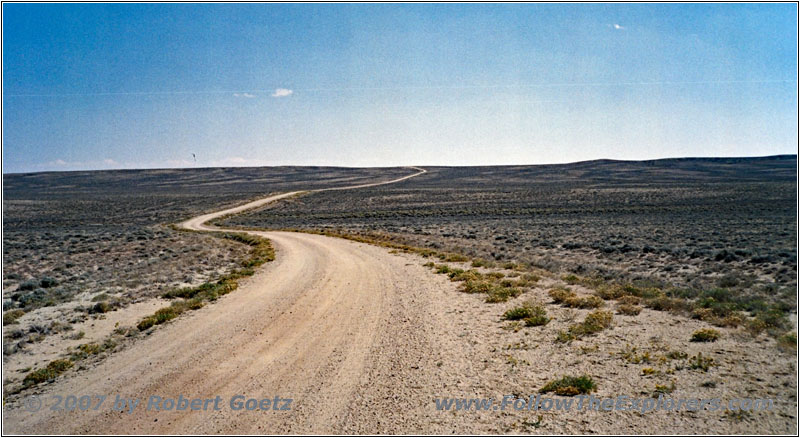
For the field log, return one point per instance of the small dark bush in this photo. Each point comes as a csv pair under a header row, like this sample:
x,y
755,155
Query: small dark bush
x,y
788,342
12,316
569,386
28,285
533,314
101,307
47,282
628,309
705,335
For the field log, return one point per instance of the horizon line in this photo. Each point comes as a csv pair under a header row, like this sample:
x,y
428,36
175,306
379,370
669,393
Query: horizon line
x,y
747,157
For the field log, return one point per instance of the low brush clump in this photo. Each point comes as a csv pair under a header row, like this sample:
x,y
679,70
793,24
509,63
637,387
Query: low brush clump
x,y
568,298
501,294
50,372
788,342
594,322
12,316
497,288
628,309
169,313
592,283
569,386
85,350
531,313
720,307
699,362
705,335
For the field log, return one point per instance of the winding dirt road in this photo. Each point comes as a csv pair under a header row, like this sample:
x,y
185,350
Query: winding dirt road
x,y
345,330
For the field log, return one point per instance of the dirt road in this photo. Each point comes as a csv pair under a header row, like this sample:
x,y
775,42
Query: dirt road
x,y
363,341
343,329
198,223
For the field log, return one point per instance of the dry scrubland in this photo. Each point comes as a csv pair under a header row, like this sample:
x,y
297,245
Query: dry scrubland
x,y
89,253
691,223
672,277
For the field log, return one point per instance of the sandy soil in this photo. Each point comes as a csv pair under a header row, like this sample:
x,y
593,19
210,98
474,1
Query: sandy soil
x,y
363,340
94,329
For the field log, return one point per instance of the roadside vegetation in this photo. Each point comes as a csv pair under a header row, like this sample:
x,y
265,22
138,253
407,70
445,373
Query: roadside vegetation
x,y
569,386
185,299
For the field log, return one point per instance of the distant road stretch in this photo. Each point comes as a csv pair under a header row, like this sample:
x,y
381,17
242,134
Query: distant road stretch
x,y
198,223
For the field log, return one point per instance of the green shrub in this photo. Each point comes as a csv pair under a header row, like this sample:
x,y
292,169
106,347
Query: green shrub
x,y
564,337
585,302
628,309
788,341
28,285
699,362
90,349
610,291
261,252
732,320
641,292
538,319
51,371
630,354
595,322
629,300
146,323
666,304
12,316
476,287
47,282
456,258
477,263
773,318
461,275
560,294
514,266
705,335
518,313
569,386
533,314
101,307
442,269
501,294
165,314
527,280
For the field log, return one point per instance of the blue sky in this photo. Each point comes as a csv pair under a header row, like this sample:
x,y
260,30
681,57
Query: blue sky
x,y
139,86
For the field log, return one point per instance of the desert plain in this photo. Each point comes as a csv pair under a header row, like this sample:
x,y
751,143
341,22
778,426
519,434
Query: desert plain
x,y
366,295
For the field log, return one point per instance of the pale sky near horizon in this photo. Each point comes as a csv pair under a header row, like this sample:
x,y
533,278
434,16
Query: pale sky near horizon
x,y
90,86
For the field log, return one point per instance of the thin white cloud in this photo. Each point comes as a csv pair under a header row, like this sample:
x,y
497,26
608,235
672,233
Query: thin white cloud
x,y
244,95
282,92
60,164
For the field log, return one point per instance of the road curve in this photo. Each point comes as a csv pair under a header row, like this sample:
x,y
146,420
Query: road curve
x,y
341,328
198,223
